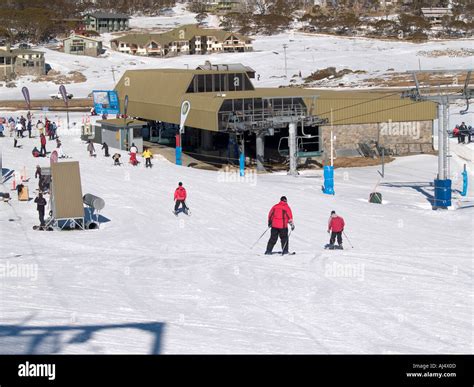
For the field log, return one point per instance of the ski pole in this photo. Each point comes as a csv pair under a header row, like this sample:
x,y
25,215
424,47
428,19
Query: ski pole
x,y
348,239
261,236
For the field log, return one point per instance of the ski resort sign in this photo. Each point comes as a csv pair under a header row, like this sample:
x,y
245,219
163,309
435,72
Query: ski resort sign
x,y
106,101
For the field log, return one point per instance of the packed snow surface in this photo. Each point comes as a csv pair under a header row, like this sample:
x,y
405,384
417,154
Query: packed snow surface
x,y
150,282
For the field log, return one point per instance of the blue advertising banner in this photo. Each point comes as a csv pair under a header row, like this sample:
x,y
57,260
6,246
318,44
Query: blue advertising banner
x,y
106,101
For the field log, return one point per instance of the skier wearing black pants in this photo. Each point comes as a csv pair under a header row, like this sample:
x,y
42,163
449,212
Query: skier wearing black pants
x,y
180,198
40,205
278,219
335,227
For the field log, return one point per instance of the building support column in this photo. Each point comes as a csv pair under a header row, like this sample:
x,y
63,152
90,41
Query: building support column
x,y
292,149
440,141
260,139
242,154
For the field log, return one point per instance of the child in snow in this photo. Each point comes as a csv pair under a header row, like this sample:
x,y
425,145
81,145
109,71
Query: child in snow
x,y
147,156
116,158
90,148
335,227
180,198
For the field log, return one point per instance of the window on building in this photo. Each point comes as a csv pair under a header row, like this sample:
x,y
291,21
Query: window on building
x,y
209,83
201,87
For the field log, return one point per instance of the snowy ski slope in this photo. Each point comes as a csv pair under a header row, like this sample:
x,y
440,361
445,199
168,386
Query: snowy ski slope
x,y
148,282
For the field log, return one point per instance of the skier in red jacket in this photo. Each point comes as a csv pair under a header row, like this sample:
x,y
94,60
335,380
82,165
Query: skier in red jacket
x,y
43,145
335,227
180,198
278,219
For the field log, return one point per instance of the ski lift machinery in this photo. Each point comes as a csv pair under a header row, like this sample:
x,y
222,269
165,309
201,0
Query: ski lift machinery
x,y
303,141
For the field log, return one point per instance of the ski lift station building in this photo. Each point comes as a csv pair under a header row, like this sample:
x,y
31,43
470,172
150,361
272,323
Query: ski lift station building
x,y
227,111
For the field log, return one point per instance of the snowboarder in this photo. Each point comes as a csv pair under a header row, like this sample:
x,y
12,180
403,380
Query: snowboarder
x,y
40,205
335,227
279,217
116,158
35,152
43,145
90,148
180,198
105,148
147,156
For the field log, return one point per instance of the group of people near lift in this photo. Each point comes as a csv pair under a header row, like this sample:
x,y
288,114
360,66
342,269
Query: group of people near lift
x,y
463,133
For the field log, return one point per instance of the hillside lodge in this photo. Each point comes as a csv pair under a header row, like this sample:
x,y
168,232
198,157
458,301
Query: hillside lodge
x,y
14,62
187,40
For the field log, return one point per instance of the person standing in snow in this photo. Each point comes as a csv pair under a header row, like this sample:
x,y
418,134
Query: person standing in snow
x,y
28,127
335,227
133,149
23,124
133,155
43,145
19,129
147,155
40,127
116,158
180,199
38,172
59,148
279,217
90,148
40,205
105,148
464,132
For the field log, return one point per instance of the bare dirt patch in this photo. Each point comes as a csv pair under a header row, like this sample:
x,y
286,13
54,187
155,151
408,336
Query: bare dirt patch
x,y
347,162
330,73
425,79
60,79
462,53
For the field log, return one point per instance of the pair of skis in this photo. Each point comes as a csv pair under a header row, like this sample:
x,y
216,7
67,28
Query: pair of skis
x,y
42,228
186,212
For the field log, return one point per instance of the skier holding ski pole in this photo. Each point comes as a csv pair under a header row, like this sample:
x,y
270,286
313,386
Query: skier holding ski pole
x,y
336,228
279,217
